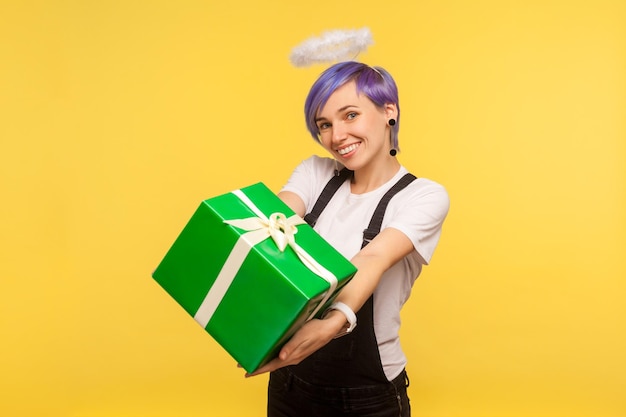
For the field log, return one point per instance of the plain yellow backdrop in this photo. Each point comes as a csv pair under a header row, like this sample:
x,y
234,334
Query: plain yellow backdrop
x,y
118,117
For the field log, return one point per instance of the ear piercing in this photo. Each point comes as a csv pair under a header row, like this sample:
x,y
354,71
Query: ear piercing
x,y
392,152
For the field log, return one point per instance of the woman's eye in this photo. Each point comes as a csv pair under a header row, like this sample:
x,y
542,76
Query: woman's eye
x,y
323,126
351,115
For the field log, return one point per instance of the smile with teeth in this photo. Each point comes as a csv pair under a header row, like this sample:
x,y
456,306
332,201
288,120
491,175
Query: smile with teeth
x,y
347,149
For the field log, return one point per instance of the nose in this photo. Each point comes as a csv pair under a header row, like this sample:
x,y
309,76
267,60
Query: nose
x,y
340,132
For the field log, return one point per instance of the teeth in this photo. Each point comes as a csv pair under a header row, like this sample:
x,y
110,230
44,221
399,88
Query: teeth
x,y
348,149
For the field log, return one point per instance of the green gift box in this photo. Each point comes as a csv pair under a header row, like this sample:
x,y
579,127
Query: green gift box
x,y
251,272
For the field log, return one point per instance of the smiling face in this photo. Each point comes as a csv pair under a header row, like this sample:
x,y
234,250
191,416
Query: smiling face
x,y
354,130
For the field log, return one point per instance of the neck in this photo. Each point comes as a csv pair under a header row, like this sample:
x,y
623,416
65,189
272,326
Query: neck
x,y
370,178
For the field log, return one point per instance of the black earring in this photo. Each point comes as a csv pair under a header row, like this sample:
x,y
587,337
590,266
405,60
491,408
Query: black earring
x,y
392,122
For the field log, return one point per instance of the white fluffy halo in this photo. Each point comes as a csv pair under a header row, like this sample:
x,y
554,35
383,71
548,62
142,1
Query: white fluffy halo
x,y
331,46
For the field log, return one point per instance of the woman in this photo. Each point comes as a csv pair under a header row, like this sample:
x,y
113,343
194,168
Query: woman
x,y
327,369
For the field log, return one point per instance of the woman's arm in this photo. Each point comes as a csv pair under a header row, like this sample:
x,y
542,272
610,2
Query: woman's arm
x,y
294,202
386,249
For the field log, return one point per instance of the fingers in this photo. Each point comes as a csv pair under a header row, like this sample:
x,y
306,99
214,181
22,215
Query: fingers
x,y
312,336
288,356
268,367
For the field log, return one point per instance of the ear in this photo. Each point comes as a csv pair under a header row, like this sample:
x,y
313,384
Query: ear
x,y
391,110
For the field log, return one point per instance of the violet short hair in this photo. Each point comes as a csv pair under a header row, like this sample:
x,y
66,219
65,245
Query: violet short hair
x,y
375,82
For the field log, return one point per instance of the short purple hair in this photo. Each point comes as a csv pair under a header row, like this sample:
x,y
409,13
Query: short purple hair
x,y
375,82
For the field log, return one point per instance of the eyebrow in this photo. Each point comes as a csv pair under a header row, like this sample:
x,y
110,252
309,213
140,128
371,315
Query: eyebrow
x,y
344,108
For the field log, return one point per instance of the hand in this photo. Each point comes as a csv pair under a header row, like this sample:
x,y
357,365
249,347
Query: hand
x,y
308,339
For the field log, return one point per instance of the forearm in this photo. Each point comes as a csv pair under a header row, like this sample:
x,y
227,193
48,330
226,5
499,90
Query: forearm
x,y
364,282
389,247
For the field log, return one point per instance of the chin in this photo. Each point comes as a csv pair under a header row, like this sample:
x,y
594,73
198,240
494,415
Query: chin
x,y
352,166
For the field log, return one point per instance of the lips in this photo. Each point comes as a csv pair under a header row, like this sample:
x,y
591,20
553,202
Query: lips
x,y
347,149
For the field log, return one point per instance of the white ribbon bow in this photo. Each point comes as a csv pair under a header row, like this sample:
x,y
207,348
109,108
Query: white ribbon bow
x,y
280,228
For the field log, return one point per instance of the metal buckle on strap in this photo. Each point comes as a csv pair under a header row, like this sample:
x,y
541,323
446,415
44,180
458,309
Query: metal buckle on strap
x,y
369,235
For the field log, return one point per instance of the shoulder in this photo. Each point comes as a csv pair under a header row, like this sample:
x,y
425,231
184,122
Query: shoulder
x,y
309,177
319,164
426,187
315,171
424,194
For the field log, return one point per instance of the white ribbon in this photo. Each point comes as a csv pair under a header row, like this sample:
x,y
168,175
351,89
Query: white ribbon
x,y
282,230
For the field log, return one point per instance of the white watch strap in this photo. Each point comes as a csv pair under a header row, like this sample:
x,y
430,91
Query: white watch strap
x,y
347,311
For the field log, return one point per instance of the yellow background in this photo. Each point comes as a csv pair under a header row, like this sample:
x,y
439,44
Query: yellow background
x,y
118,117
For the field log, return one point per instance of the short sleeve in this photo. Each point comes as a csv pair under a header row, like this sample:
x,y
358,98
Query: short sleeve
x,y
419,213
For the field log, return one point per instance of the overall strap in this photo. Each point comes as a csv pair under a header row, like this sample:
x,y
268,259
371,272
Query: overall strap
x,y
377,219
327,193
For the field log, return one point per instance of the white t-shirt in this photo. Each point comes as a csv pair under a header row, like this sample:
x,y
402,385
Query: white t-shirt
x,y
418,211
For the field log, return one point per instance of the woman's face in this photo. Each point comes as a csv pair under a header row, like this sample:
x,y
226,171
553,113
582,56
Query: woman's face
x,y
353,129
